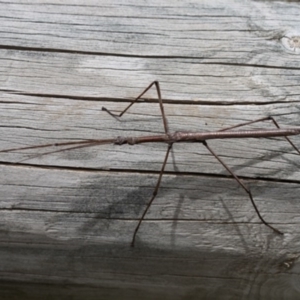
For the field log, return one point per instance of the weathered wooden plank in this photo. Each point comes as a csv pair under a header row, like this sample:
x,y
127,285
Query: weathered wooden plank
x,y
78,75
38,120
213,30
47,199
45,213
88,264
67,218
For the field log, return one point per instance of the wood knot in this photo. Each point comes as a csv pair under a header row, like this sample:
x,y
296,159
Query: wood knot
x,y
291,43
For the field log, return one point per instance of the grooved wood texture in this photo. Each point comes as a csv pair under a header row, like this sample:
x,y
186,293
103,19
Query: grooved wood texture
x,y
67,218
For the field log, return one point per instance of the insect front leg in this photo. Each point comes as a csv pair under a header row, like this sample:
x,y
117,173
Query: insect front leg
x,y
156,84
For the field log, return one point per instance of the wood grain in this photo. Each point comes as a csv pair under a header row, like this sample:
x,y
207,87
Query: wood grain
x,y
67,218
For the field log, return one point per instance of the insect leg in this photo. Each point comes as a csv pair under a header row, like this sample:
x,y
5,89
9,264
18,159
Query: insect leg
x,y
153,195
156,83
239,181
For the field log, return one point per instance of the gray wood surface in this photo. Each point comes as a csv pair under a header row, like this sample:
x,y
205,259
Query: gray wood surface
x,y
67,218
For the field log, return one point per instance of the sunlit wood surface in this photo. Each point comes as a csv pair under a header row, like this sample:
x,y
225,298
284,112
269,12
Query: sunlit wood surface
x,y
67,218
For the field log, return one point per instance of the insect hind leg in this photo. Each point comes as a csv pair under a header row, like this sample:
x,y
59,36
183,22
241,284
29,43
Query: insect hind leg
x,y
246,189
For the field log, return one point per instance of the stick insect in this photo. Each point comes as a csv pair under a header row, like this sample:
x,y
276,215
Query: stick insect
x,y
170,138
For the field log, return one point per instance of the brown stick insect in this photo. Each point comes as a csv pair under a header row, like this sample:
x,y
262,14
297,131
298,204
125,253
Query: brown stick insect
x,y
170,138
